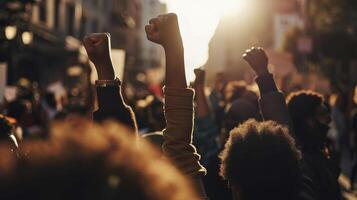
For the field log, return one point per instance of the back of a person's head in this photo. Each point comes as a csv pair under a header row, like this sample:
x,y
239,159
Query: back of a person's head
x,y
235,90
127,117
302,105
86,161
260,161
155,115
240,111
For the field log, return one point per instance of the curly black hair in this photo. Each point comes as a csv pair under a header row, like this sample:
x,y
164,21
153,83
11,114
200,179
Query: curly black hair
x,y
82,160
261,159
302,105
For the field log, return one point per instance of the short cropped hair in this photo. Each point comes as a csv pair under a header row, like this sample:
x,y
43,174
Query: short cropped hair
x,y
261,159
86,161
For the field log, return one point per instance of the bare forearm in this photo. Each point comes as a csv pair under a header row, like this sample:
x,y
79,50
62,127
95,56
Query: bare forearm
x,y
175,66
105,71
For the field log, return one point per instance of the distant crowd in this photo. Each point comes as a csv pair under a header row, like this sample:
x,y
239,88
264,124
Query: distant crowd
x,y
231,143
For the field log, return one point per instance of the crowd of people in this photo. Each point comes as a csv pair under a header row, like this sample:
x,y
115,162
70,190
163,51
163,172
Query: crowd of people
x,y
234,143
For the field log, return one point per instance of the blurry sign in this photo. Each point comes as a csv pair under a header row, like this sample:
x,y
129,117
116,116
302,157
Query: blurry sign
x,y
281,63
282,24
10,93
57,89
3,74
304,44
118,57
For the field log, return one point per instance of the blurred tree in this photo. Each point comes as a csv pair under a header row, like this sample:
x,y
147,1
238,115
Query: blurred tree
x,y
332,25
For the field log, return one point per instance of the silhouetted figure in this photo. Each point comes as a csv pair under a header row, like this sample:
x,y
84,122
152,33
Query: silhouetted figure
x,y
311,117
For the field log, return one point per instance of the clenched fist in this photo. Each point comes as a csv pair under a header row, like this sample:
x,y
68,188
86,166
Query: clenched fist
x,y
98,49
257,59
164,30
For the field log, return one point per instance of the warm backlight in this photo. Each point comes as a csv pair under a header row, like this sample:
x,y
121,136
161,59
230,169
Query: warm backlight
x,y
198,22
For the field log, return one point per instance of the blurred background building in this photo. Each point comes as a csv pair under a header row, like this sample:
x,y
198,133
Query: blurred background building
x,y
305,39
53,30
40,39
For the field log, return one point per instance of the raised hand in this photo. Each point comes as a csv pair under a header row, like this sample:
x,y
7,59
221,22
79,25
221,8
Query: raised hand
x,y
257,59
98,49
200,77
164,30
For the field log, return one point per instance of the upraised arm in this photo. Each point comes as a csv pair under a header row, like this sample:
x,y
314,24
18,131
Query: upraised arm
x,y
203,109
164,30
272,102
110,100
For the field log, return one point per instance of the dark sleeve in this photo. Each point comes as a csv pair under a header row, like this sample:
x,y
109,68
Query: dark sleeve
x,y
306,188
272,102
354,122
112,107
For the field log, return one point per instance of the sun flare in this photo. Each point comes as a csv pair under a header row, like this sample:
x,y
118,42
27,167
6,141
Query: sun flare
x,y
198,22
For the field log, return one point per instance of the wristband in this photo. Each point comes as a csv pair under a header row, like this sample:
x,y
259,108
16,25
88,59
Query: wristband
x,y
108,83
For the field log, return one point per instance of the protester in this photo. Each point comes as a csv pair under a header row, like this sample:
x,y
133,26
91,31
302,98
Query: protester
x,y
206,132
110,100
230,144
260,160
164,30
311,117
85,161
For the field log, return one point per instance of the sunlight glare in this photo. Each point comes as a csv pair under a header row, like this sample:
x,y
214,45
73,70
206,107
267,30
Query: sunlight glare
x,y
198,22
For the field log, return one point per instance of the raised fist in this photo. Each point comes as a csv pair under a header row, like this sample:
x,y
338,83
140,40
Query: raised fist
x,y
98,48
164,30
257,59
200,77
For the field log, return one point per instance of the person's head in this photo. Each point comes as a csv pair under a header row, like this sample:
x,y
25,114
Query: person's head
x,y
85,161
260,161
234,90
155,114
127,117
238,112
310,116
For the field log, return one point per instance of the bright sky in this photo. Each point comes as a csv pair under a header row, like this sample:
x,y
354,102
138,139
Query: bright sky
x,y
198,21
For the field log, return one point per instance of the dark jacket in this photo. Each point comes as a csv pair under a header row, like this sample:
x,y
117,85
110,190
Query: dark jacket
x,y
319,175
111,106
